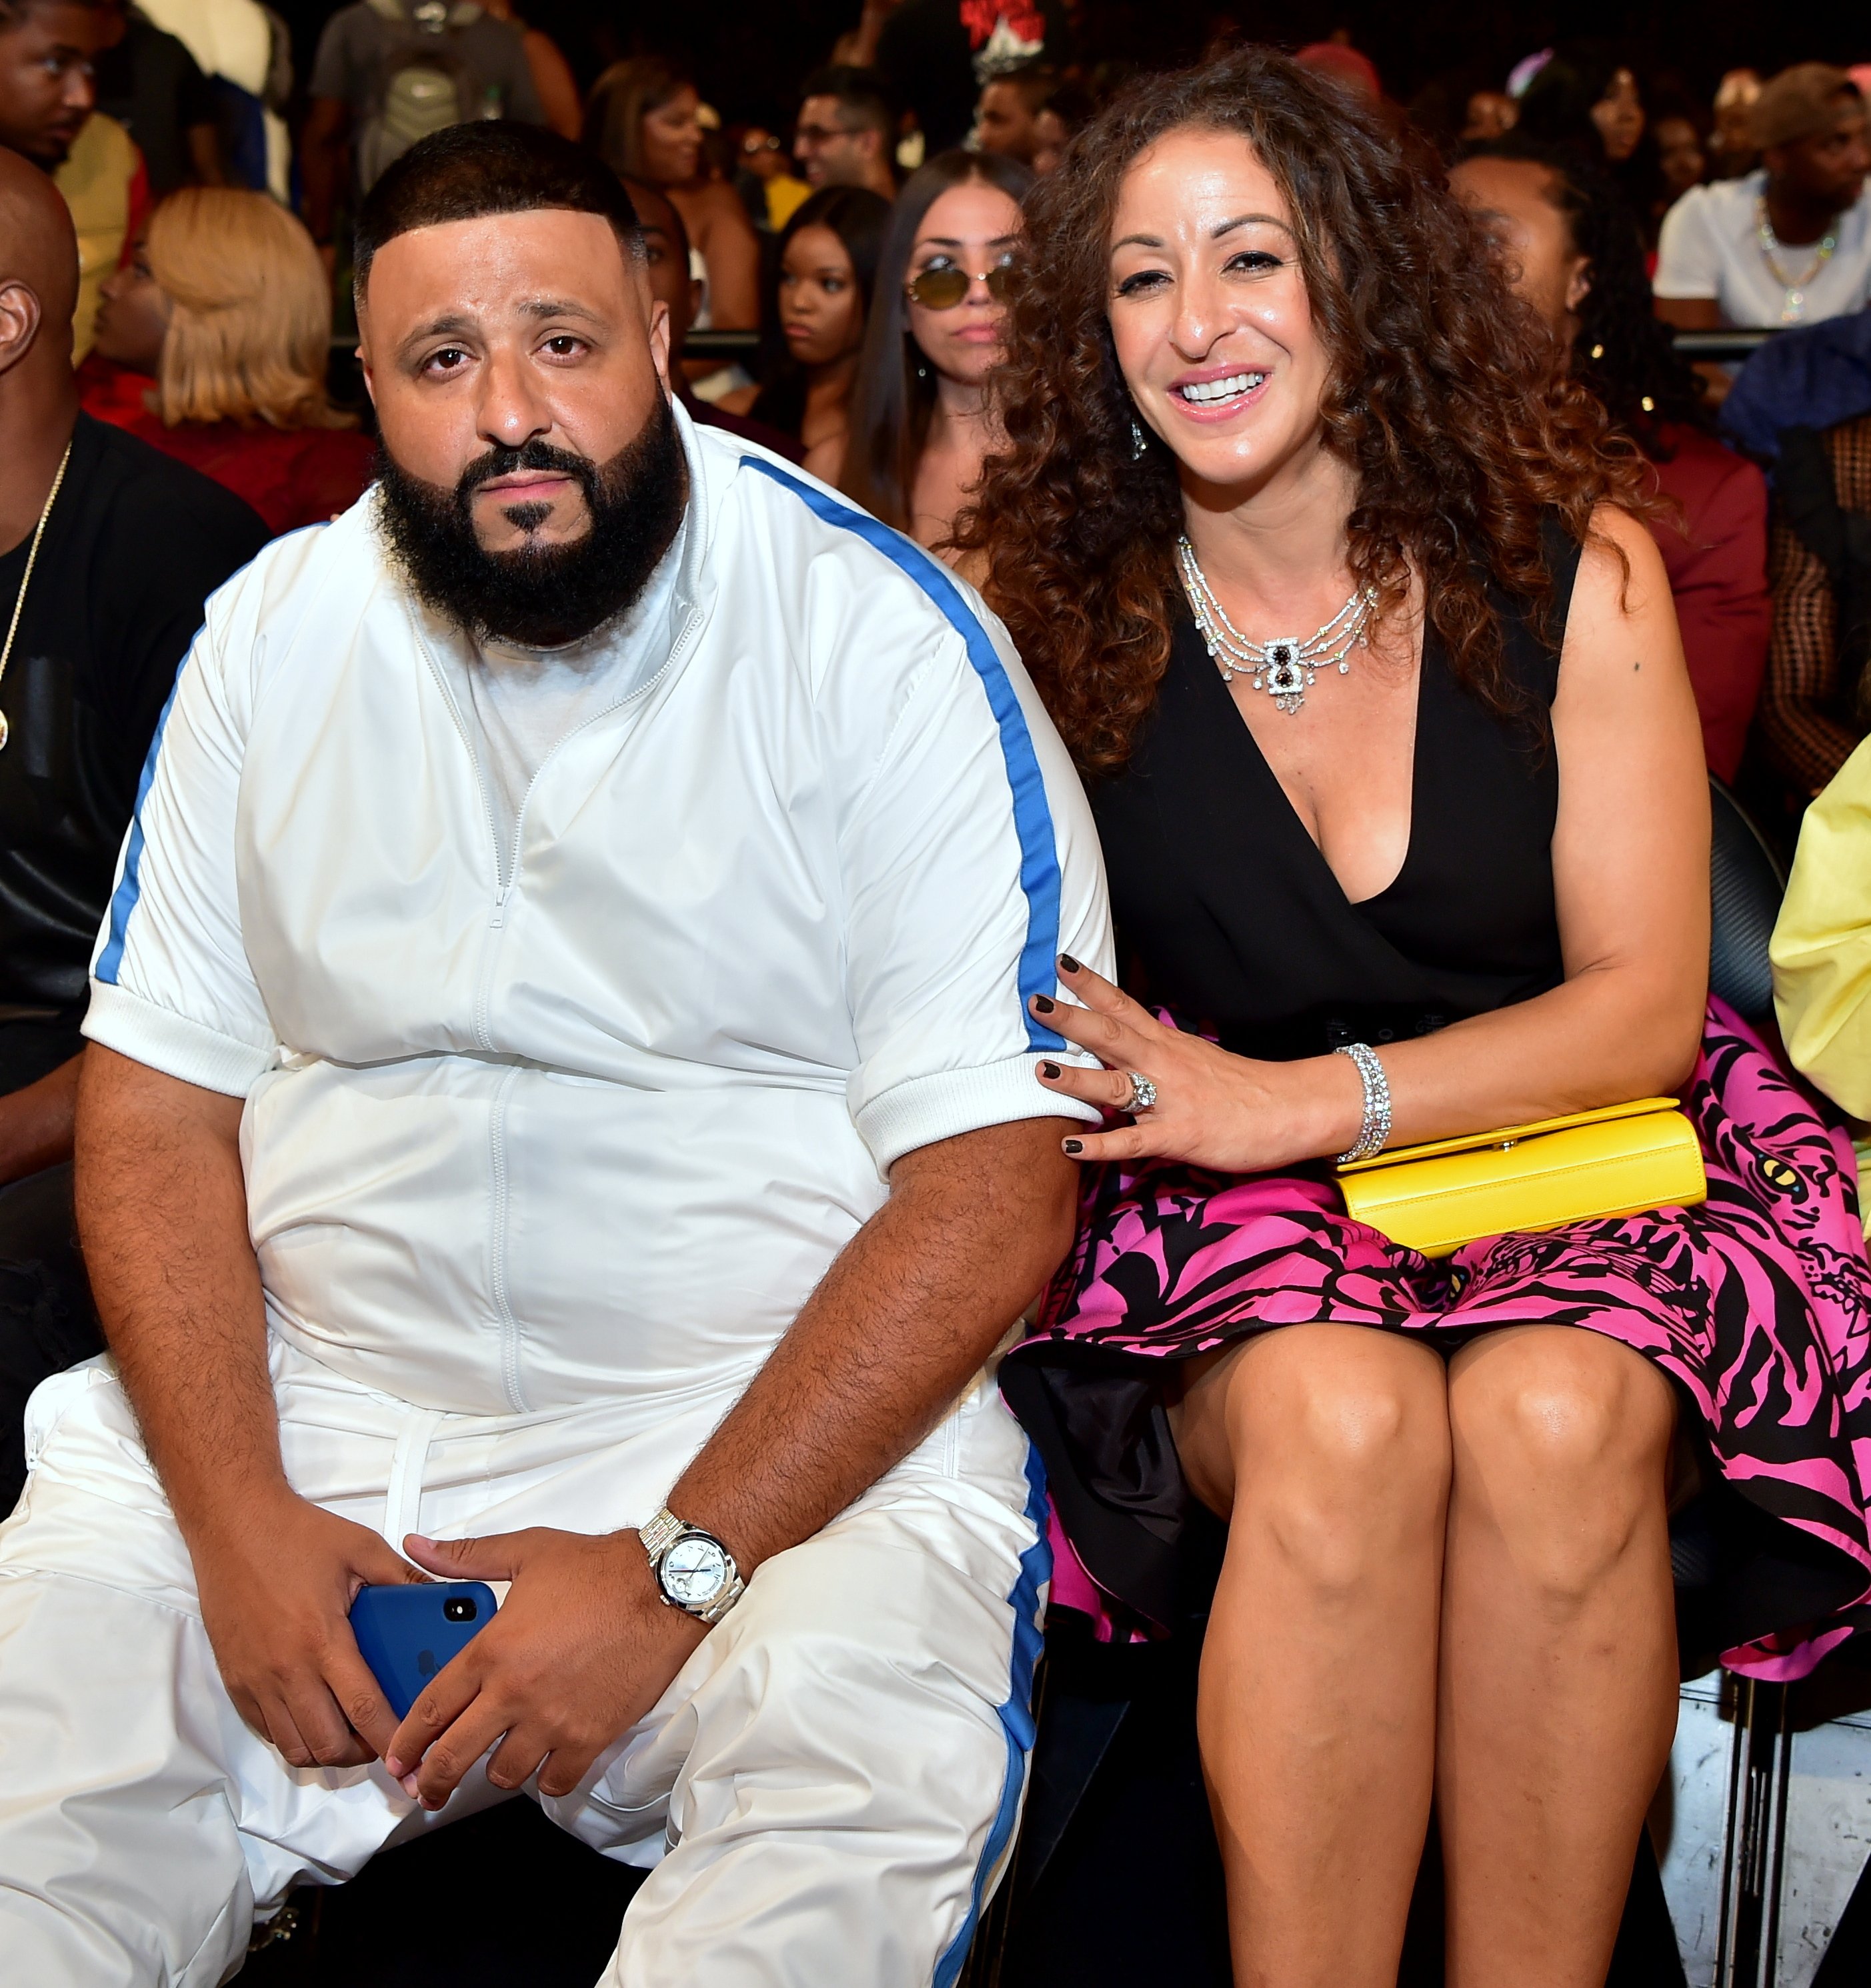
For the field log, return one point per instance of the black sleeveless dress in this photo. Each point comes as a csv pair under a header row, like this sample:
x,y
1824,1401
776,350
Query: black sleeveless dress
x,y
1757,1304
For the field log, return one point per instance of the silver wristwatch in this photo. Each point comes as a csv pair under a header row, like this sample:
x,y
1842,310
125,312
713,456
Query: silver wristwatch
x,y
694,1571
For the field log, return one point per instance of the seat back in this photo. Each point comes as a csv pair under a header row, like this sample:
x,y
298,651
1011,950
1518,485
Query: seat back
x,y
1746,883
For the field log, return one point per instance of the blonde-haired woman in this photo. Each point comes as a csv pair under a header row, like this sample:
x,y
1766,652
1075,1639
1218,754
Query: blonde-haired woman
x,y
212,340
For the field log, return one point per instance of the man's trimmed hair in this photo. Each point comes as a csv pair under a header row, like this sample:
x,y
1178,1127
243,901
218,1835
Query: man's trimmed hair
x,y
488,166
13,13
861,94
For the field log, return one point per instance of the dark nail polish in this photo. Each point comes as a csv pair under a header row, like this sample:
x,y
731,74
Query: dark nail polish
x,y
1068,965
1049,1070
1074,1145
1042,1004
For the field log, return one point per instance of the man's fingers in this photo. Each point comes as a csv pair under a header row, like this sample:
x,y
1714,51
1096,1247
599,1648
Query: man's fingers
x,y
378,1564
453,1691
321,1725
277,1721
516,1759
565,1768
494,1558
359,1698
451,1756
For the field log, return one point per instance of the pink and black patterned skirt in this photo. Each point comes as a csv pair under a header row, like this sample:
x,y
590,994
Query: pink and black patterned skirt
x,y
1757,1304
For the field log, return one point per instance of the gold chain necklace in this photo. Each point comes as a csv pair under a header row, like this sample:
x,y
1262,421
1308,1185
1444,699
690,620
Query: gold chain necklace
x,y
26,579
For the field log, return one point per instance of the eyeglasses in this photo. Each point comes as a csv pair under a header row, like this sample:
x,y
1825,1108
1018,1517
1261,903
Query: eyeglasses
x,y
823,134
944,286
753,147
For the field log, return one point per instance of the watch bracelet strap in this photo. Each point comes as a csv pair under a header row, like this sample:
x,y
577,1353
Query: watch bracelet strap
x,y
660,1532
722,1602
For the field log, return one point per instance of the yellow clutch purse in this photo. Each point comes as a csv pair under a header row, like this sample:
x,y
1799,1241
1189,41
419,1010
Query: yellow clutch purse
x,y
1623,1159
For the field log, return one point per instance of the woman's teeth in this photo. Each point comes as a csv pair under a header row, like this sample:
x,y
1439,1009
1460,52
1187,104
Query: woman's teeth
x,y
1205,393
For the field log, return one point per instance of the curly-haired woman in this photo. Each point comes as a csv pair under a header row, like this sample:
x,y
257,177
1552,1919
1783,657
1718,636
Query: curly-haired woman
x,y
1266,378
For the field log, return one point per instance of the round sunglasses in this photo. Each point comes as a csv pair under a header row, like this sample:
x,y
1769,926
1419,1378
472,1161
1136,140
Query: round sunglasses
x,y
943,288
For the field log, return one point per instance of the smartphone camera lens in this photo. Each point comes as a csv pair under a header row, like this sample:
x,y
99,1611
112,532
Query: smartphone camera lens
x,y
459,1608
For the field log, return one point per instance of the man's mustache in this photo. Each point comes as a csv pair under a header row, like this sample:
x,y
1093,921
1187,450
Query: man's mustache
x,y
504,461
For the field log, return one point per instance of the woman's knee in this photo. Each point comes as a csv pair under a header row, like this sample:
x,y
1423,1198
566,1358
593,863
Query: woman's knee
x,y
1339,1438
1560,1438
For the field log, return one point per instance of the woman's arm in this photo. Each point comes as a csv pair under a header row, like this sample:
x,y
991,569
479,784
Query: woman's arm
x,y
1630,870
732,251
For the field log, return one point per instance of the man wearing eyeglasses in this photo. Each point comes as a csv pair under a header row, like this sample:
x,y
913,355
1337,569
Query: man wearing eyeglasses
x,y
846,135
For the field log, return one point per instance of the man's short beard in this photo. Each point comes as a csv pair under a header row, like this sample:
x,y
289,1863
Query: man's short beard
x,y
540,596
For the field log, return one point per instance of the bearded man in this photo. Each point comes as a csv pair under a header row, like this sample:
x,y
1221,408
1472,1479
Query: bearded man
x,y
562,1072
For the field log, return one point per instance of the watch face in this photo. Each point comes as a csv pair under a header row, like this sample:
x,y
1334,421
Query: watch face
x,y
694,1571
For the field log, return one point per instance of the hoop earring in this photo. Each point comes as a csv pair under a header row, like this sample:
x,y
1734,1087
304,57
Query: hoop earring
x,y
1139,440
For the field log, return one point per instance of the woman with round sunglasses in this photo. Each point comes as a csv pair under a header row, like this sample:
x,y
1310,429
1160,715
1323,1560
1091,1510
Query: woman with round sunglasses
x,y
921,425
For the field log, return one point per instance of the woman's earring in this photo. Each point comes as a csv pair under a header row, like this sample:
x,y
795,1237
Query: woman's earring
x,y
1139,440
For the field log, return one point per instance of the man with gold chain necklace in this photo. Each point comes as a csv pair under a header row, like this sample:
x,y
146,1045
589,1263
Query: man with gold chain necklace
x,y
107,550
1790,244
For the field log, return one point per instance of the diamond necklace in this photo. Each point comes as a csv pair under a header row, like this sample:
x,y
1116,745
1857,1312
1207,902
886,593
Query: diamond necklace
x,y
26,579
1793,307
1283,666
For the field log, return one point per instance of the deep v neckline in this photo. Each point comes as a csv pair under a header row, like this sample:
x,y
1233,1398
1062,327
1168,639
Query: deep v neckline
x,y
1258,760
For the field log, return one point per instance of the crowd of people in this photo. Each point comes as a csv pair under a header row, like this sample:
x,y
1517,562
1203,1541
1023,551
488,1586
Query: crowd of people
x,y
580,939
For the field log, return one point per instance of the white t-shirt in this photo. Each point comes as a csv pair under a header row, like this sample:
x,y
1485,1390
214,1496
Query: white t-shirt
x,y
1710,247
519,704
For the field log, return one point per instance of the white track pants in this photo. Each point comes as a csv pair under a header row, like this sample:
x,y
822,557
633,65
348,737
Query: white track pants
x,y
826,1791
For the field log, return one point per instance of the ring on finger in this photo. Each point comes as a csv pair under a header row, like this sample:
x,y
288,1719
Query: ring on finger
x,y
1142,1093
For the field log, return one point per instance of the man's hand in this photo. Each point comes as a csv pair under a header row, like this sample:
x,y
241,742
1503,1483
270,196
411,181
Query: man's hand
x,y
276,1592
581,1649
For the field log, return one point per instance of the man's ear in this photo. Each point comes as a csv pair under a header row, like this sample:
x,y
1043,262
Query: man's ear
x,y
363,348
1578,282
659,340
19,322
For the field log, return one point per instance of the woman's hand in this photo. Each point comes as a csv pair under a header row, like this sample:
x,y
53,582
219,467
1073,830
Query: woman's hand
x,y
1213,1109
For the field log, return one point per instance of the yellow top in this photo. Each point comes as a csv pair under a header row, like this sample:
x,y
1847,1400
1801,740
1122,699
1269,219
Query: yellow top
x,y
1821,944
96,180
784,194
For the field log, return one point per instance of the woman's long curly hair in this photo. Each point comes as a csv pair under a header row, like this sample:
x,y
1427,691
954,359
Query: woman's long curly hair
x,y
1445,398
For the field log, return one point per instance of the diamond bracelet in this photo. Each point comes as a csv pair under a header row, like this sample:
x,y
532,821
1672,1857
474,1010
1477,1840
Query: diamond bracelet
x,y
1375,1129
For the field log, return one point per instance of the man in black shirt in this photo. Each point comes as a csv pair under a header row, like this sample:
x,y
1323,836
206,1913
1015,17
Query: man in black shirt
x,y
110,549
153,87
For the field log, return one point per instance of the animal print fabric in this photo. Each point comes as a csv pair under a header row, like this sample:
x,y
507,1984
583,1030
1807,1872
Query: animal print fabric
x,y
1758,1303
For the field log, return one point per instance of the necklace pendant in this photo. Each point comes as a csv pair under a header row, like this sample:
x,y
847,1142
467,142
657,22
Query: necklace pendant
x,y
4,731
1285,674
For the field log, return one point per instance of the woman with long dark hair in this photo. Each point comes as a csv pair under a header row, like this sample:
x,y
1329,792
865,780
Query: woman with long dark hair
x,y
828,258
1577,257
920,422
1436,869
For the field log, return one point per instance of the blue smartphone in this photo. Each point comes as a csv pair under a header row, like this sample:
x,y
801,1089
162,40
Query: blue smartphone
x,y
406,1633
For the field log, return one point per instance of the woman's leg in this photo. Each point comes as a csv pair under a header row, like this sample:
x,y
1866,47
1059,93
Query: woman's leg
x,y
1558,1692
1329,1446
